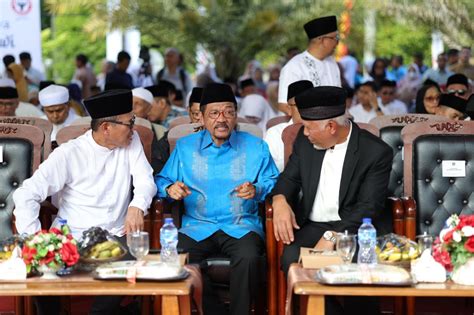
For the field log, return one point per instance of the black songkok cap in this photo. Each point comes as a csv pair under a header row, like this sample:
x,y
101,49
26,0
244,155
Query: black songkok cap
x,y
179,95
321,26
217,93
321,102
457,78
109,103
298,87
247,82
45,84
453,101
158,91
7,92
196,95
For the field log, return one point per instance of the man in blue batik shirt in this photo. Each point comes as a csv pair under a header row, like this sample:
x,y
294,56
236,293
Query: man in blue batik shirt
x,y
221,175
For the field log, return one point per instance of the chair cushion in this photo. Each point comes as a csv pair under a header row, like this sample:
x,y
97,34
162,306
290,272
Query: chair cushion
x,y
15,168
438,197
391,135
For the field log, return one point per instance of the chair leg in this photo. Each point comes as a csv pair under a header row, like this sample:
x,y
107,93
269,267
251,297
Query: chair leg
x,y
19,302
410,304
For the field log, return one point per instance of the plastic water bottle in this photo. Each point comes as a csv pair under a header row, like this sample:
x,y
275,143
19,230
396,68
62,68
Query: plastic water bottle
x,y
367,236
169,243
64,227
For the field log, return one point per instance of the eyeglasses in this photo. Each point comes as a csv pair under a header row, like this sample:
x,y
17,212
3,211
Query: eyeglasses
x,y
336,38
130,124
459,92
431,98
228,113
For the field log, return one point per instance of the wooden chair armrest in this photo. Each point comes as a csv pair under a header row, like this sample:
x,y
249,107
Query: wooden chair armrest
x,y
273,267
409,205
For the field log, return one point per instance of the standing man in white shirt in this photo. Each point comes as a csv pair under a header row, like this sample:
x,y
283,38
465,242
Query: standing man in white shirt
x,y
55,102
94,174
316,63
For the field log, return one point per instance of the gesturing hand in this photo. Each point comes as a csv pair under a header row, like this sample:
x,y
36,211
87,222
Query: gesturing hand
x,y
178,191
246,191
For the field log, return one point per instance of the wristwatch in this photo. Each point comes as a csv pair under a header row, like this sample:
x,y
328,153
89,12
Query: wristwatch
x,y
378,109
329,236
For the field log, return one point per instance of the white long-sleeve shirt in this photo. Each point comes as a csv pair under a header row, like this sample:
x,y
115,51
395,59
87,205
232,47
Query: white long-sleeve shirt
x,y
276,145
94,185
305,66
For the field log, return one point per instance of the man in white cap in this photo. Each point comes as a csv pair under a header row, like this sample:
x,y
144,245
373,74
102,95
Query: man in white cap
x,y
10,105
316,63
55,102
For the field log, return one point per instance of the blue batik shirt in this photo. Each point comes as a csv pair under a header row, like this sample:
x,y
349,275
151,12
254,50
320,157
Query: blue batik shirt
x,y
212,173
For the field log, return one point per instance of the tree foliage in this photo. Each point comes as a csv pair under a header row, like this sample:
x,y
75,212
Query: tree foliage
x,y
66,38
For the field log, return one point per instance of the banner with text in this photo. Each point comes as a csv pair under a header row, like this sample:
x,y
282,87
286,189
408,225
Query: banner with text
x,y
20,30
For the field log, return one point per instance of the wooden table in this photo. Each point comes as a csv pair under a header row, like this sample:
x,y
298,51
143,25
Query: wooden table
x,y
316,292
175,296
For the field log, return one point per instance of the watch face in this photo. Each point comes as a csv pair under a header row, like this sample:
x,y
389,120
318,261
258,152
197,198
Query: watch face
x,y
327,235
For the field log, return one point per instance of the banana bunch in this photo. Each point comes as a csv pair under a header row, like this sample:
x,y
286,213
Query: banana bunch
x,y
105,250
396,248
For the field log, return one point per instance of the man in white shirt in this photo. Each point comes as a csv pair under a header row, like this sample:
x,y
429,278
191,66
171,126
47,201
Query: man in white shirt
x,y
94,174
174,72
55,102
387,101
273,136
33,76
315,64
368,106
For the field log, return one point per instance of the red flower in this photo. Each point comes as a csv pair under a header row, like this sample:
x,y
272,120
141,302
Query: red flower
x,y
469,245
55,231
448,237
69,254
28,254
442,257
466,221
47,259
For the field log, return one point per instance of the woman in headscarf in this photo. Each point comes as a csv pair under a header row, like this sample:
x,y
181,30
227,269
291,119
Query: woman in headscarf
x,y
16,73
409,85
256,110
378,72
427,99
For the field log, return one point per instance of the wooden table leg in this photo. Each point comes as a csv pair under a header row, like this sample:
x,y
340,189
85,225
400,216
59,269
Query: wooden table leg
x,y
170,305
157,305
315,305
185,305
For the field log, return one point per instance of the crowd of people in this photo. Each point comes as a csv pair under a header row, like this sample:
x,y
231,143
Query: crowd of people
x,y
221,173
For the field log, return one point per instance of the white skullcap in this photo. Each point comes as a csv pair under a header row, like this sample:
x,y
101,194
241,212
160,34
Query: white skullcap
x,y
53,95
7,82
144,94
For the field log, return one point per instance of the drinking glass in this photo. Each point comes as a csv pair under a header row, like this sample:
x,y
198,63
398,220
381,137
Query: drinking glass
x,y
346,246
138,244
425,242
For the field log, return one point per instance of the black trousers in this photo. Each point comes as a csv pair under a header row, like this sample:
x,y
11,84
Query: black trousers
x,y
308,236
245,254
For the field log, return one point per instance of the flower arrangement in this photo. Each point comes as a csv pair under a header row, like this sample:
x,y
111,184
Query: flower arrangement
x,y
455,244
55,249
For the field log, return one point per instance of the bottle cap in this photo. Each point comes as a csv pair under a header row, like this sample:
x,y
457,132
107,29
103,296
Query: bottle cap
x,y
168,220
366,220
62,221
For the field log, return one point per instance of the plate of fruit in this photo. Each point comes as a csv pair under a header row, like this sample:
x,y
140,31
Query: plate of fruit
x,y
99,246
395,249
